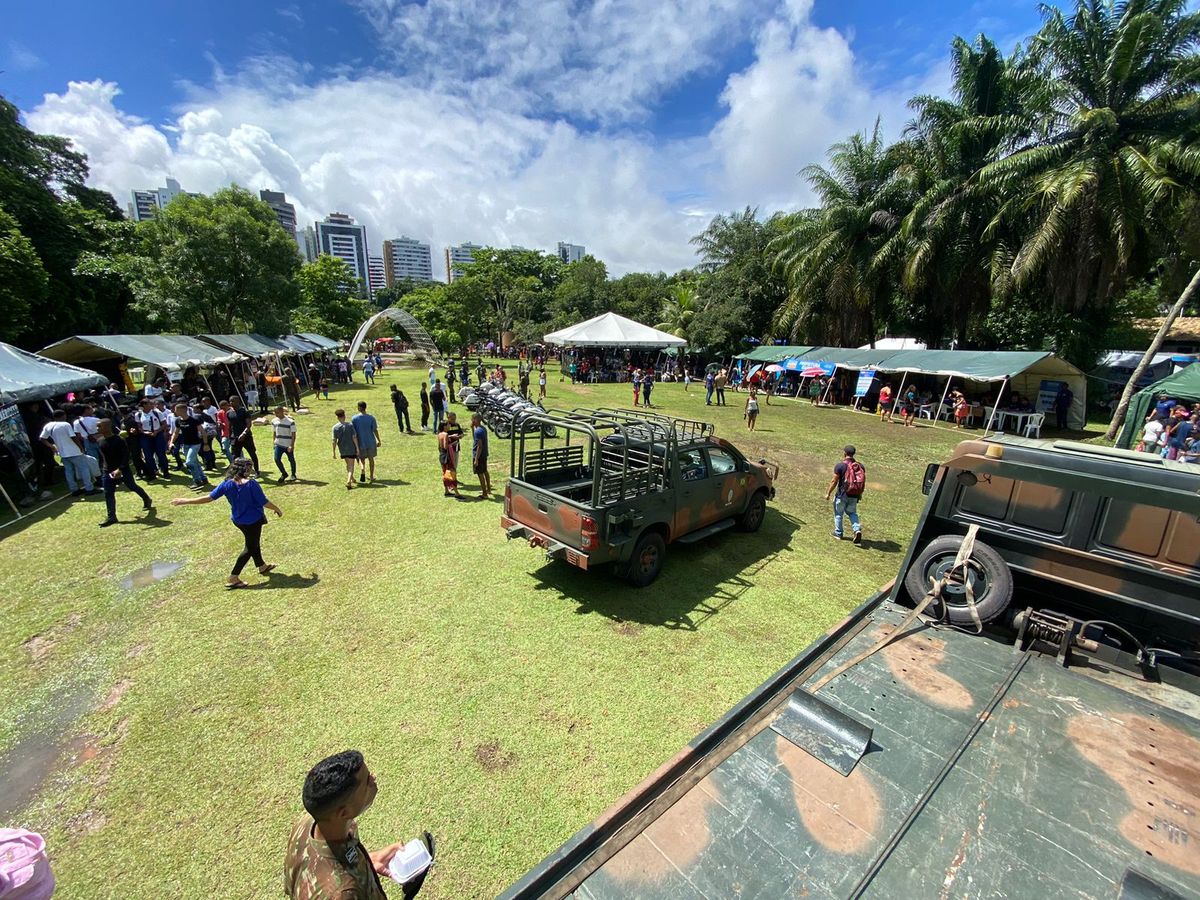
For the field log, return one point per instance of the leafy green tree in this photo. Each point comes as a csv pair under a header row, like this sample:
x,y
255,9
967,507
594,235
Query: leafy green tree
x,y
213,264
42,186
517,284
583,293
679,308
838,293
329,299
23,280
639,295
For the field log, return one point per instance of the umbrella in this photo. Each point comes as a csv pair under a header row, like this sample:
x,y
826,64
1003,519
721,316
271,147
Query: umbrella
x,y
814,372
491,345
774,367
754,369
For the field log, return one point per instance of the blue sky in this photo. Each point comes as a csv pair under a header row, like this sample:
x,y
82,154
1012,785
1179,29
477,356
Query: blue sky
x,y
622,125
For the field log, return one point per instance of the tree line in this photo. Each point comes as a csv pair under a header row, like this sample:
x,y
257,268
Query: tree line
x,y
1047,203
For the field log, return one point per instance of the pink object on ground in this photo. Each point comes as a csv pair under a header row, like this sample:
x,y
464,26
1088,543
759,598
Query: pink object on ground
x,y
24,867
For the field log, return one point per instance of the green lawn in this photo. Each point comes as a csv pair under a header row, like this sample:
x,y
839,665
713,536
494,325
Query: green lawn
x,y
502,701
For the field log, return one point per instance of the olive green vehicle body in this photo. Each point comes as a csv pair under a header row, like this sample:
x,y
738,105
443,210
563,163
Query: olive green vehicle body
x,y
1007,763
611,477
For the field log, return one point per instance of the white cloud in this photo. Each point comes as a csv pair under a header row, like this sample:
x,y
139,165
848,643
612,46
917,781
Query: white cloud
x,y
405,153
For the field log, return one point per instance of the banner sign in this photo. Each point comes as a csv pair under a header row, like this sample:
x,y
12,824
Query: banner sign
x,y
865,377
1046,394
16,441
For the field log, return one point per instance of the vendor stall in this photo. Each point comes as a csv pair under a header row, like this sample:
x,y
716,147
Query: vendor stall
x,y
610,343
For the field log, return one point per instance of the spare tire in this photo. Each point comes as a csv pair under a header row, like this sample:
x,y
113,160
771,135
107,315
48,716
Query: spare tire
x,y
989,575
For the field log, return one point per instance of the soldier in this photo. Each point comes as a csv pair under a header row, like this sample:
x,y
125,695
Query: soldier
x,y
325,857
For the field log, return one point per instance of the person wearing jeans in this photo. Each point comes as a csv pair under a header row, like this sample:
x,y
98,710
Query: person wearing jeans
x,y
284,428
246,502
845,475
114,470
60,435
187,436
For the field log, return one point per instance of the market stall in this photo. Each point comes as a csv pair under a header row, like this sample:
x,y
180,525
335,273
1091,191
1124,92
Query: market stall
x,y
609,343
1183,386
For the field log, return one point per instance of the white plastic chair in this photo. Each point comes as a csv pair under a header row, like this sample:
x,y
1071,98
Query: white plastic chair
x,y
1033,428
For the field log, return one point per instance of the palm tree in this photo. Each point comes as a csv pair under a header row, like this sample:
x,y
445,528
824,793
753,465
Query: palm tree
x,y
946,258
836,294
678,310
1116,151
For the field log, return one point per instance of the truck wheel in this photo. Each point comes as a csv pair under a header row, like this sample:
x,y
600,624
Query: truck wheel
x,y
647,559
752,518
989,575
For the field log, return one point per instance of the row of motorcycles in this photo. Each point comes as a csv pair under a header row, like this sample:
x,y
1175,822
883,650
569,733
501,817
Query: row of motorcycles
x,y
504,411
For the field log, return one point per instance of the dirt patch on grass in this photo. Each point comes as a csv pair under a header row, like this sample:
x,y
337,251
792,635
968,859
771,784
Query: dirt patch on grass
x,y
492,758
40,645
115,695
627,629
135,651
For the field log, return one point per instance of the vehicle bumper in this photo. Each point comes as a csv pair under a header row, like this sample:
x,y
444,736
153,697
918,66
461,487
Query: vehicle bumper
x,y
554,549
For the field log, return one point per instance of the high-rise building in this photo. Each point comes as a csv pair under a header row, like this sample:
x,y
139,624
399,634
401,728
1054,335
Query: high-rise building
x,y
407,258
377,279
340,236
456,256
570,253
307,239
148,202
284,211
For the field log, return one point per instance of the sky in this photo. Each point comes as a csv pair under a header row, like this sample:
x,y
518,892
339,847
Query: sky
x,y
622,125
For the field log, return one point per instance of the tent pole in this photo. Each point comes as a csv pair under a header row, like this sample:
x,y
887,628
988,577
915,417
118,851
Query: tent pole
x,y
829,387
16,511
899,393
237,390
996,408
938,412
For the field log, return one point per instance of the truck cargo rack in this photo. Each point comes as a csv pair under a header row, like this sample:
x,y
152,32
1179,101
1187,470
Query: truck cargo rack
x,y
628,453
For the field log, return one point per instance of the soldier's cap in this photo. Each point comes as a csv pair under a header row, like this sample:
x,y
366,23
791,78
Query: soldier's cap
x,y
848,450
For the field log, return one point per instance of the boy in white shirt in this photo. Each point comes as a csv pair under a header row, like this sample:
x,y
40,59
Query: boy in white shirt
x,y
60,435
283,427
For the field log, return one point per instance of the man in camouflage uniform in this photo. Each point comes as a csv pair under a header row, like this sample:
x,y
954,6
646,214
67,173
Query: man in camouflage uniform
x,y
325,858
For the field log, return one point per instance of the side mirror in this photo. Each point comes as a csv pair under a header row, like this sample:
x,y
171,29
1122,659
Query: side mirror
x,y
931,471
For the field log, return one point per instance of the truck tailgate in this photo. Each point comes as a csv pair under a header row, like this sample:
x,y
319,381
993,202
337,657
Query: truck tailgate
x,y
547,513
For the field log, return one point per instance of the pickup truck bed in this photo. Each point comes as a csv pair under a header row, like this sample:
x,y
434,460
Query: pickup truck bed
x,y
990,772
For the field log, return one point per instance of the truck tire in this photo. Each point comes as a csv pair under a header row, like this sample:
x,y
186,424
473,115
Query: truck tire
x,y
647,559
751,520
989,574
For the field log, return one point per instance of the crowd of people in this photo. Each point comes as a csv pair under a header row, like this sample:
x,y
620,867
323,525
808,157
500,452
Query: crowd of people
x,y
1172,430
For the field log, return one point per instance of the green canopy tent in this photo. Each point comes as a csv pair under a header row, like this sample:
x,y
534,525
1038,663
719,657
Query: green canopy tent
x,y
1184,386
772,353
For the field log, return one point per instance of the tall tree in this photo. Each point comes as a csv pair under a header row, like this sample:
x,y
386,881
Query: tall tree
x,y
518,284
23,280
329,299
213,264
679,308
837,292
583,292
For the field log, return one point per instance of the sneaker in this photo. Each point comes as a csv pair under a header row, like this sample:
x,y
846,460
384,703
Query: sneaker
x,y
858,537
108,522
836,536
282,479
77,493
362,477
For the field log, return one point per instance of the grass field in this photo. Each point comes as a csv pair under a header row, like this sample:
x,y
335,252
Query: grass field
x,y
158,733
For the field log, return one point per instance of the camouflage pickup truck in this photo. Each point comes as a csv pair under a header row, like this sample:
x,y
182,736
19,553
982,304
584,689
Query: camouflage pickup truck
x,y
1016,715
615,487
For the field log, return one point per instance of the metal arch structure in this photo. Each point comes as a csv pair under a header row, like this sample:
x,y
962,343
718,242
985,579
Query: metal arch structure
x,y
417,334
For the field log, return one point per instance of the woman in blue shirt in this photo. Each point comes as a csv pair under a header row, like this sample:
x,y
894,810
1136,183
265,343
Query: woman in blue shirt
x,y
246,502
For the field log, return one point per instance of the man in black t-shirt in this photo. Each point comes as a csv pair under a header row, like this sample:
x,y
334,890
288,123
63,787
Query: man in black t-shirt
x,y
114,467
849,479
240,422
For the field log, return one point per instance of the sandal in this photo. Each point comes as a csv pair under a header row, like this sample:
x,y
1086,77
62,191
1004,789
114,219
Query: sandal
x,y
266,568
235,583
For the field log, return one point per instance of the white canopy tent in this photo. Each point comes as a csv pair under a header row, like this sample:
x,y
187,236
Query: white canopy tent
x,y
611,330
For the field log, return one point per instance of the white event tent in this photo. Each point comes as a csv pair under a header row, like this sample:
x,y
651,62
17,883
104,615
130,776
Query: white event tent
x,y
611,330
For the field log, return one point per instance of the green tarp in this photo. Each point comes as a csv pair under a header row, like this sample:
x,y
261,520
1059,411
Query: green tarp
x,y
978,365
162,350
320,341
770,353
299,344
24,376
251,345
1184,385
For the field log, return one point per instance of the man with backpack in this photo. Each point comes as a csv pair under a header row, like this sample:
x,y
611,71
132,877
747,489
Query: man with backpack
x,y
849,480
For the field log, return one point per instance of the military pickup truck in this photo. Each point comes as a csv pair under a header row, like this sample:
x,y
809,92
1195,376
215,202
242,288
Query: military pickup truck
x,y
615,487
1016,715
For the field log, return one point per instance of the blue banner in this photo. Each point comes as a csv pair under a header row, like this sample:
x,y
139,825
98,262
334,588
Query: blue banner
x,y
865,377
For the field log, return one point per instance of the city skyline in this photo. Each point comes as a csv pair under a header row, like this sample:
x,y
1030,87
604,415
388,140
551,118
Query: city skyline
x,y
642,122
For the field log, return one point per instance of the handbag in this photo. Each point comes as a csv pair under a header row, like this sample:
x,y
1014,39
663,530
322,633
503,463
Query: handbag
x,y
24,867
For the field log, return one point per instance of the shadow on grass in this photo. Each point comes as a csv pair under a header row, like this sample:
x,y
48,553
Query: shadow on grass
x,y
881,546
276,581
47,509
697,580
